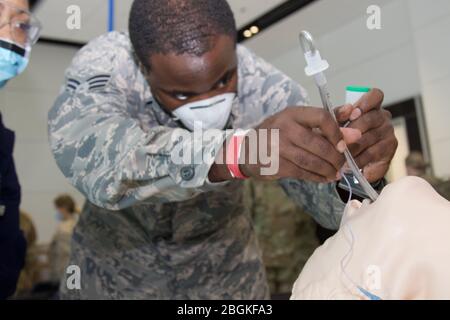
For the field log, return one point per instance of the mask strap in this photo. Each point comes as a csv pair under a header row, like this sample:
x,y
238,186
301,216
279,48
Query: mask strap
x,y
161,106
13,47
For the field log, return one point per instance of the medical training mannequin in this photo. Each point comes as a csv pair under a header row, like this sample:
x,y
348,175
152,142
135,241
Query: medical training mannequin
x,y
400,249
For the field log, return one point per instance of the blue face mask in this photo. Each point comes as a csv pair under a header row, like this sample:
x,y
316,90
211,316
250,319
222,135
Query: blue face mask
x,y
13,61
58,216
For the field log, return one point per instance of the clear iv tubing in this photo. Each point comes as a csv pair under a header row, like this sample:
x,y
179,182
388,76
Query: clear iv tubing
x,y
351,242
310,50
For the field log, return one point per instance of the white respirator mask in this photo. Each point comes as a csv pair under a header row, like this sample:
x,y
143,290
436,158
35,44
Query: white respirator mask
x,y
212,113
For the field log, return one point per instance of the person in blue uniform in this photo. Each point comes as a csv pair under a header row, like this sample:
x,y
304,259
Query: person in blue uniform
x,y
19,30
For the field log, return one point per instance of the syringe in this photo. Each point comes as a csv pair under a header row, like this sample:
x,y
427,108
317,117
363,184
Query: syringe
x,y
316,67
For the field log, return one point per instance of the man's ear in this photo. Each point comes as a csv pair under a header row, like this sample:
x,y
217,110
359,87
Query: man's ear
x,y
145,71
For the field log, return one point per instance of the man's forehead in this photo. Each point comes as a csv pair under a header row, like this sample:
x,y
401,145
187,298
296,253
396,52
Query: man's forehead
x,y
188,65
185,69
222,48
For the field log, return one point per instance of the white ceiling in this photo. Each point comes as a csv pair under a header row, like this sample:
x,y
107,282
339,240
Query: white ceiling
x,y
319,18
53,14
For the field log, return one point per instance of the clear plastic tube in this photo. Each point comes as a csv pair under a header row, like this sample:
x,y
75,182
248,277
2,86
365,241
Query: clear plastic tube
x,y
326,101
316,67
351,241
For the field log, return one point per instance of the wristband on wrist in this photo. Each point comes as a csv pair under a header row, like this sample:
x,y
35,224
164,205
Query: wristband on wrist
x,y
234,153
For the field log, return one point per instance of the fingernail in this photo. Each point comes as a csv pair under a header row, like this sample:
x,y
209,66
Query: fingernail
x,y
351,135
338,176
341,146
356,133
348,106
355,114
345,108
365,173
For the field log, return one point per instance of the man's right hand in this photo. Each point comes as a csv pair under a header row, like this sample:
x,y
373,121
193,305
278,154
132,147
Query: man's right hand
x,y
311,145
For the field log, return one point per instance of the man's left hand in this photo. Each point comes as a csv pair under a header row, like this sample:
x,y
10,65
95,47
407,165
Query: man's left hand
x,y
376,148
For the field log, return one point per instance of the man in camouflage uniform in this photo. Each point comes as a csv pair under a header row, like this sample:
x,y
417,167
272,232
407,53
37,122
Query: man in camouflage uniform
x,y
286,233
153,227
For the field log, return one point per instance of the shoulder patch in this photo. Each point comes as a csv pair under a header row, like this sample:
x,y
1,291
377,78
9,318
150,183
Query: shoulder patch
x,y
72,84
98,82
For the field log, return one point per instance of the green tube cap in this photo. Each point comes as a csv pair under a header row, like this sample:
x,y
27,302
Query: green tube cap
x,y
358,89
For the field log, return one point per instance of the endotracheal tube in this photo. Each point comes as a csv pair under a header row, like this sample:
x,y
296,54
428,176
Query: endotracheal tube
x,y
316,67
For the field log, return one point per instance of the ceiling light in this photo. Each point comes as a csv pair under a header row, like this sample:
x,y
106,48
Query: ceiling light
x,y
254,29
247,33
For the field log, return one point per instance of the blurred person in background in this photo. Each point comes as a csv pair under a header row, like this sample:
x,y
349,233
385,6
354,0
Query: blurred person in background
x,y
59,251
417,166
19,30
444,189
28,276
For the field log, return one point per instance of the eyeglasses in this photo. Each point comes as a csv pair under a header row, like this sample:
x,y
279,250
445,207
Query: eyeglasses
x,y
25,28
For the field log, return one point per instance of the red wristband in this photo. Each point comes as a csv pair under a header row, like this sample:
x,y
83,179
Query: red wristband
x,y
233,154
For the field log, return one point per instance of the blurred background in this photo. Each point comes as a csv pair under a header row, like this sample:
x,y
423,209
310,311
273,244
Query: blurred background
x,y
407,58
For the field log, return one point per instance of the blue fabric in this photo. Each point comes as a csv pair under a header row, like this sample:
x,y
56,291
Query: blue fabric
x,y
111,11
11,64
12,242
369,295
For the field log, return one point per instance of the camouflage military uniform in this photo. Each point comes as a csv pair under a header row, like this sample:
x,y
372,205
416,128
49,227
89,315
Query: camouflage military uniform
x,y
285,233
59,250
154,228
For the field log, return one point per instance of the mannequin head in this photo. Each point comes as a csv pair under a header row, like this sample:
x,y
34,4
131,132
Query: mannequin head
x,y
399,251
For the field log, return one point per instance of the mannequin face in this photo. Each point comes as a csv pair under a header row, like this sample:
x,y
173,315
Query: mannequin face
x,y
400,249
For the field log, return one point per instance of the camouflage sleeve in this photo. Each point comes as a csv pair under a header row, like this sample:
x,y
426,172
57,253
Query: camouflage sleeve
x,y
321,201
100,147
278,92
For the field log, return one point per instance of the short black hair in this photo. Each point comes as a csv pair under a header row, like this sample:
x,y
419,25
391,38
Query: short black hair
x,y
178,26
33,4
65,201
